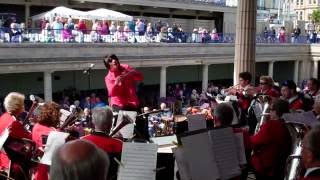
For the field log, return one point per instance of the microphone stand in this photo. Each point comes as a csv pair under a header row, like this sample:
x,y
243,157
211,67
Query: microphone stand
x,y
88,73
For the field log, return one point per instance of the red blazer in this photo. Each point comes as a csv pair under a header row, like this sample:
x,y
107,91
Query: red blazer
x,y
37,132
271,147
16,130
108,144
296,104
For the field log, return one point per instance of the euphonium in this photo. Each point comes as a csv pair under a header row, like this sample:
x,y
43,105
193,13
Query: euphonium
x,y
265,112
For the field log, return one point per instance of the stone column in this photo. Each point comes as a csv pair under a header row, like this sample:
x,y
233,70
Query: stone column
x,y
205,70
245,46
315,69
270,69
305,71
47,86
27,14
163,81
296,71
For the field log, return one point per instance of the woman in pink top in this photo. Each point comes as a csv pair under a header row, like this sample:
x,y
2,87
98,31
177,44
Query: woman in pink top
x,y
121,82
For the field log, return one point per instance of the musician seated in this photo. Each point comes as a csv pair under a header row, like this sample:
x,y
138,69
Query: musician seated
x,y
271,145
79,160
289,93
102,120
313,88
14,106
223,117
266,87
48,121
311,154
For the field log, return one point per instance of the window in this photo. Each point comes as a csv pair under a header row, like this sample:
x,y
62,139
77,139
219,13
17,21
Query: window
x,y
297,2
300,17
314,1
310,1
301,2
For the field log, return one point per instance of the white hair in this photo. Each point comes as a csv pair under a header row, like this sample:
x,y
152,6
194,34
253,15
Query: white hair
x,y
14,102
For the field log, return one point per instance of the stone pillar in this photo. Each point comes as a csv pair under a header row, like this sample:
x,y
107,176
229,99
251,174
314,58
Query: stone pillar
x,y
270,69
163,81
296,71
205,70
245,46
315,69
47,86
27,14
305,71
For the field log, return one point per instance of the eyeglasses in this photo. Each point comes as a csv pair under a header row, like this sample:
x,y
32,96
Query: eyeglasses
x,y
263,83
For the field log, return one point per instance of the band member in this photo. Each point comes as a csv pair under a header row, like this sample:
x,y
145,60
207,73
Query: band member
x,y
289,93
121,81
266,87
79,160
271,145
14,105
102,120
244,93
311,154
312,87
48,121
223,115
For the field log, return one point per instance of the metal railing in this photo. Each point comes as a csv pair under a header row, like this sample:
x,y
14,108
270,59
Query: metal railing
x,y
90,36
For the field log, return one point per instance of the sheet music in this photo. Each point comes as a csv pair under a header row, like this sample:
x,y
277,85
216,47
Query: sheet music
x,y
240,148
55,140
200,157
183,165
307,118
139,161
3,138
127,130
196,122
224,148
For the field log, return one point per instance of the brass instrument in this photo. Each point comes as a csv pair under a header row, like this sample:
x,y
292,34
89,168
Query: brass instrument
x,y
294,165
125,121
264,100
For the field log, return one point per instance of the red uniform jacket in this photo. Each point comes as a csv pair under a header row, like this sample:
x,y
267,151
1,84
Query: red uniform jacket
x,y
124,94
108,144
271,147
296,103
37,132
16,130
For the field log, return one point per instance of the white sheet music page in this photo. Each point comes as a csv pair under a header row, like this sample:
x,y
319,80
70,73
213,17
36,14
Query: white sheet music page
x,y
3,138
200,156
55,140
240,148
196,122
183,165
127,131
139,161
224,147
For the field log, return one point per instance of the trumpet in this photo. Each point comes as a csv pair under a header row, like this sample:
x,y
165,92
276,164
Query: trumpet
x,y
235,88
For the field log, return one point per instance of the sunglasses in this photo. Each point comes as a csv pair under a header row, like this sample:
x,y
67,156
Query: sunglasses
x,y
262,83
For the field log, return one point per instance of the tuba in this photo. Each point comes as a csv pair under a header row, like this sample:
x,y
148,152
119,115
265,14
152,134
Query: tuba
x,y
294,167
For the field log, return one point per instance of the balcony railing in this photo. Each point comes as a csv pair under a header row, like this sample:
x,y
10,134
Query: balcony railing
x,y
90,36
